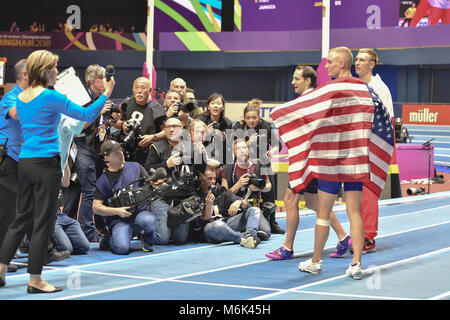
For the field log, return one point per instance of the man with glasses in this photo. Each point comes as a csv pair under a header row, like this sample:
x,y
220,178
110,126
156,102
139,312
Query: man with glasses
x,y
167,154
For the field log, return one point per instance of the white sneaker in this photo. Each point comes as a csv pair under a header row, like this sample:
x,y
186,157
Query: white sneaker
x,y
310,266
354,271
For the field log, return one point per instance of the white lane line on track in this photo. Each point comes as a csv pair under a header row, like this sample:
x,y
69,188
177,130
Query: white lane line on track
x,y
257,262
209,246
366,271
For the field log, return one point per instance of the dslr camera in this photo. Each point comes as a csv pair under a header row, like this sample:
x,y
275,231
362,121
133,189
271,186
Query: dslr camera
x,y
257,182
187,107
130,141
217,126
216,190
121,108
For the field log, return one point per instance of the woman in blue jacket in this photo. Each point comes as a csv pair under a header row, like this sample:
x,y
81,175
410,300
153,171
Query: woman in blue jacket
x,y
39,110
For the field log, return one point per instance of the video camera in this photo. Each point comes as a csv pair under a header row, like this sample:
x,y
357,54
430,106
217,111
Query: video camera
x,y
139,196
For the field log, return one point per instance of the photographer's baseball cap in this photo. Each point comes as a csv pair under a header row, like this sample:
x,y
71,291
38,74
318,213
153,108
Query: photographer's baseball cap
x,y
109,147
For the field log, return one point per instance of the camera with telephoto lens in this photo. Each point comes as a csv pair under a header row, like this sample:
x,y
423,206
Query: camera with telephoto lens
x,y
181,185
216,190
414,191
136,197
187,107
131,141
257,182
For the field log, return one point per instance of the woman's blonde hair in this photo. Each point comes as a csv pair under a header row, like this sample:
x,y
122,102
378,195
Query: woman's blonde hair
x,y
38,62
253,105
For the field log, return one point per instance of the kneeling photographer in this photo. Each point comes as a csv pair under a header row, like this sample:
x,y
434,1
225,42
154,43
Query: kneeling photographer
x,y
122,221
244,179
230,217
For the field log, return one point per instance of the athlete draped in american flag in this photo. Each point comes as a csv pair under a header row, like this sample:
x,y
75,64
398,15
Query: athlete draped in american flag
x,y
330,135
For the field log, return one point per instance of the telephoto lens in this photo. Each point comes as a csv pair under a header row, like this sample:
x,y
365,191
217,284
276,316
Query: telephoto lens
x,y
414,191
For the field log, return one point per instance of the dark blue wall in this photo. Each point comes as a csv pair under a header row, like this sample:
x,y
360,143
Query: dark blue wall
x,y
413,75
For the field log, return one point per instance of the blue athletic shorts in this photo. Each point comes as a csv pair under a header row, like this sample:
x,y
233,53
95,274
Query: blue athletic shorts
x,y
310,188
333,187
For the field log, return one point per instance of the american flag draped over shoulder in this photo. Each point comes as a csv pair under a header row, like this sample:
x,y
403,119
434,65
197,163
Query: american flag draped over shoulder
x,y
337,132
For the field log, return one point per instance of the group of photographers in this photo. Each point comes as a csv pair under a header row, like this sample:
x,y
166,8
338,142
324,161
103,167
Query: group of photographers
x,y
168,172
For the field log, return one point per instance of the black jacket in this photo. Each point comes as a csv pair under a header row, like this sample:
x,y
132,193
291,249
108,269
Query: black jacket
x,y
263,127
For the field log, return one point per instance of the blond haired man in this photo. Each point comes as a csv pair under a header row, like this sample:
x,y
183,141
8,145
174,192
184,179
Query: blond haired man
x,y
364,64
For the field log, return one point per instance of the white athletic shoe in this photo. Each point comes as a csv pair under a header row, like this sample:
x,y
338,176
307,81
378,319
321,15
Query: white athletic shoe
x,y
354,271
310,266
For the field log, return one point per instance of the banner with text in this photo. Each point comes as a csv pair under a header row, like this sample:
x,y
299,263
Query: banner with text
x,y
282,15
426,114
73,41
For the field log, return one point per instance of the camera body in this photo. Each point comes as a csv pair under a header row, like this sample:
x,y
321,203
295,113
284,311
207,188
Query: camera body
x,y
216,125
257,182
130,141
187,107
216,190
122,108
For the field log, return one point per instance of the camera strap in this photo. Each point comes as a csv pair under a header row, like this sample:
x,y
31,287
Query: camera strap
x,y
251,167
233,174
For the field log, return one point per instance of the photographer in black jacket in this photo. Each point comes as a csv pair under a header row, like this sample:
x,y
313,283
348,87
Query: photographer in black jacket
x,y
167,154
263,145
218,127
140,113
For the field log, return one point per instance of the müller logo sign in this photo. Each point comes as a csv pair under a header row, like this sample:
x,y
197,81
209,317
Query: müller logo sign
x,y
426,114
